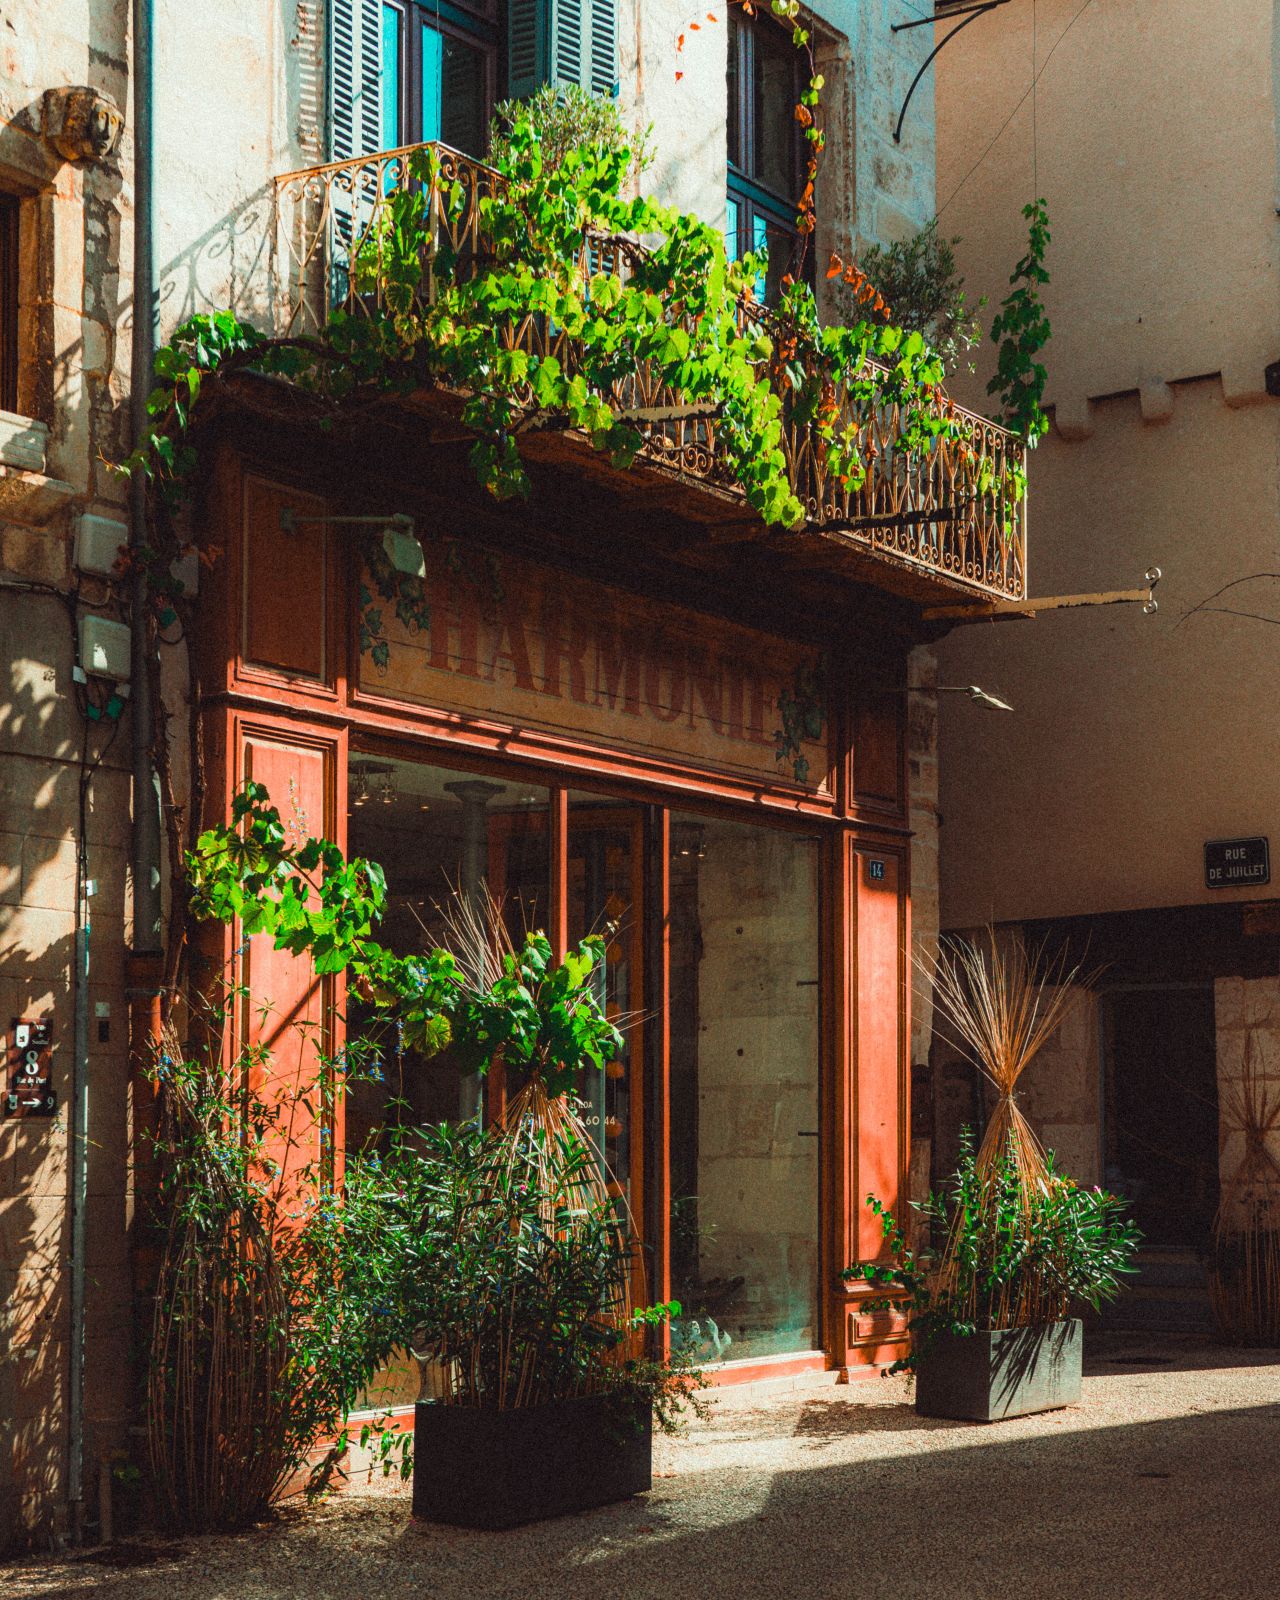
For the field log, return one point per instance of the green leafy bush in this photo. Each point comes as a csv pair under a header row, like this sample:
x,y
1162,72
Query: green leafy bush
x,y
286,1282
565,117
919,280
271,1315
511,1266
1015,1258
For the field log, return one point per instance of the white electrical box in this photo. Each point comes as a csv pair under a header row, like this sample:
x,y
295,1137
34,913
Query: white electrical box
x,y
98,542
104,648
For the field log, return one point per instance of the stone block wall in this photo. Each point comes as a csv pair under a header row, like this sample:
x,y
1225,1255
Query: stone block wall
x,y
1247,1020
758,1053
1060,1091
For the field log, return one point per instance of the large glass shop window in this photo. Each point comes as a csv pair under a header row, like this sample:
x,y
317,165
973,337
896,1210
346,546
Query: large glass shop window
x,y
745,1049
452,844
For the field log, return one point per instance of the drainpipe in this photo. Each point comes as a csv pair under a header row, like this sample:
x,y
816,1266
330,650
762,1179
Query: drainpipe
x,y
144,958
79,1139
146,808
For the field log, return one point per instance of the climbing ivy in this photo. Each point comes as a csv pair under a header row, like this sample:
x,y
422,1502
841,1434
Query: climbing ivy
x,y
1021,330
803,714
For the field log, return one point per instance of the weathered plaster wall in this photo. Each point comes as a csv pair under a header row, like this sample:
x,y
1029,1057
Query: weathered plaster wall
x,y
869,189
253,110
687,114
1134,739
237,100
1152,136
73,381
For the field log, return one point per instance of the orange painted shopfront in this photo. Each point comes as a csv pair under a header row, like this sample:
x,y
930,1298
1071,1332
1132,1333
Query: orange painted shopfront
x,y
708,770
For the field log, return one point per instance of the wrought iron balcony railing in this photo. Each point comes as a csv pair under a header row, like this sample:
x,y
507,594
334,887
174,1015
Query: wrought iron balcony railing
x,y
947,510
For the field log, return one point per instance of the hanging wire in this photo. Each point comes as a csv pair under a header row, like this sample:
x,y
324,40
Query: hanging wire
x,y
1029,91
1035,139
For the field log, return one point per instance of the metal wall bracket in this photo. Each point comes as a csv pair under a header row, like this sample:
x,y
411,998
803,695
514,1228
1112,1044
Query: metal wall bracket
x,y
943,13
996,609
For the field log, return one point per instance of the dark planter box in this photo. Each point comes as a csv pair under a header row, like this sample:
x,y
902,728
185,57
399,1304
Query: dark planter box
x,y
497,1469
1009,1373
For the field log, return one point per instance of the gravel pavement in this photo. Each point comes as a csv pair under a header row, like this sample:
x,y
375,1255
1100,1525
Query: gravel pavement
x,y
1164,1483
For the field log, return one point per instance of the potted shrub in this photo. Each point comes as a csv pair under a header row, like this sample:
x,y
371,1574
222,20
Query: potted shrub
x,y
508,1262
515,1273
991,1324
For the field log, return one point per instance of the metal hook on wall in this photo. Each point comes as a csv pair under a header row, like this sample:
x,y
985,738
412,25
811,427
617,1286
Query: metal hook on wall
x,y
1151,577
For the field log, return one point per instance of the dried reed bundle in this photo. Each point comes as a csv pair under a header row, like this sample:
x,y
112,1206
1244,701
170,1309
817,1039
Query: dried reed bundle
x,y
576,1187
1002,1005
1244,1276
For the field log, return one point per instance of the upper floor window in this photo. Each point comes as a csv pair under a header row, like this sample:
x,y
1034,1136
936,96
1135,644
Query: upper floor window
x,y
764,145
8,303
439,72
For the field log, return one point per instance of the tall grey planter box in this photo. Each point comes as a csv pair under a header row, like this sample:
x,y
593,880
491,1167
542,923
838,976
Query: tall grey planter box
x,y
1011,1372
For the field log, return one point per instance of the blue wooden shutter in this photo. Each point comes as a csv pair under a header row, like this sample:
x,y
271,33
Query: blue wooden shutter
x,y
355,78
562,42
602,62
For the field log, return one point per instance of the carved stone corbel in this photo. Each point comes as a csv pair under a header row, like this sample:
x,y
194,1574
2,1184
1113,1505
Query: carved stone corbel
x,y
82,124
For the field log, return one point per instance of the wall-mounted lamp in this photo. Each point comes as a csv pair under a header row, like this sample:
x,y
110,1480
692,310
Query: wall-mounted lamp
x,y
399,539
978,696
981,697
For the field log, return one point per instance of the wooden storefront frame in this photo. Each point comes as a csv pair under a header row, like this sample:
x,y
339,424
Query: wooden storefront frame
x,y
242,698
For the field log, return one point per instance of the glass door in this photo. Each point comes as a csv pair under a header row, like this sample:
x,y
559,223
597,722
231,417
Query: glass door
x,y
744,1067
605,880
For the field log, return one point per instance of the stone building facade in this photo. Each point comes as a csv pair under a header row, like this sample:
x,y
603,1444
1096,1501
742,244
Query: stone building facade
x,y
240,95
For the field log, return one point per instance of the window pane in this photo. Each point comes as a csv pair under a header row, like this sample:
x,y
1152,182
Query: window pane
x,y
744,1087
733,221
465,119
606,890
734,68
773,102
391,64
444,839
454,92
779,242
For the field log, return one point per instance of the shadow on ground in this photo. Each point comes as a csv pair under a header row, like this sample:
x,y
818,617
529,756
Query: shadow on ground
x,y
863,1498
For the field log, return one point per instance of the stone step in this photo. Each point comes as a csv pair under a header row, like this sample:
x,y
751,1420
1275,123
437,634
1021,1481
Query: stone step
x,y
1147,1309
1170,1269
